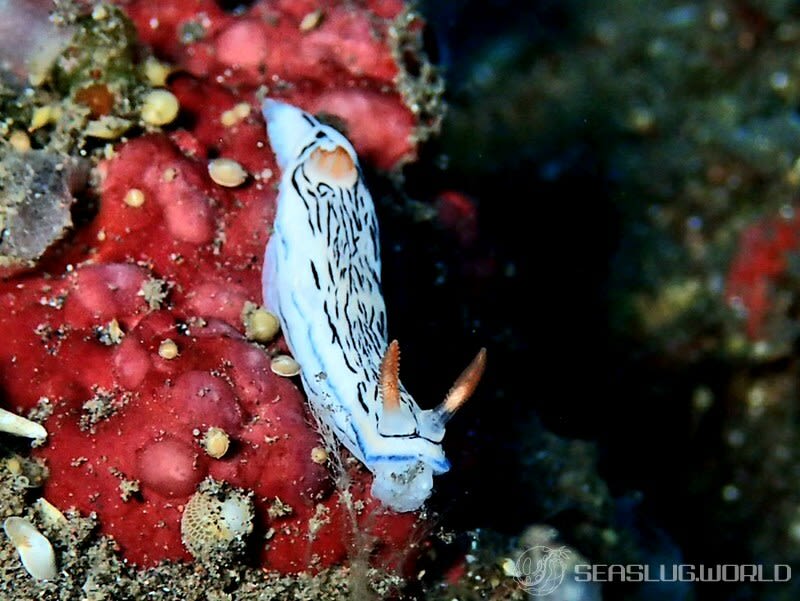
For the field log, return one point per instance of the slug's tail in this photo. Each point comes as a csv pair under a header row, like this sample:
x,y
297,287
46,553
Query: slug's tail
x,y
288,128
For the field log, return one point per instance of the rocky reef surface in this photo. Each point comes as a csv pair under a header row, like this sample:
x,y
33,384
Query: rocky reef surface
x,y
636,164
138,190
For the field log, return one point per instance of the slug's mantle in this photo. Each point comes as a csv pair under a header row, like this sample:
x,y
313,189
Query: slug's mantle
x,y
173,256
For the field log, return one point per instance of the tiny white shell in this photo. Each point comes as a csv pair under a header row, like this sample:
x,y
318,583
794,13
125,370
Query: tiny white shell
x,y
107,127
156,72
160,107
50,515
20,141
319,455
226,172
285,366
35,551
134,198
18,425
311,21
216,442
168,349
260,325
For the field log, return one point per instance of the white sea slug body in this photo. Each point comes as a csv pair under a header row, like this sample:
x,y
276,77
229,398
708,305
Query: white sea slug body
x,y
322,277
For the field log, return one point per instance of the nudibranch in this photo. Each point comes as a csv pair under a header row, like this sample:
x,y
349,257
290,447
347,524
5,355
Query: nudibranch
x,y
322,277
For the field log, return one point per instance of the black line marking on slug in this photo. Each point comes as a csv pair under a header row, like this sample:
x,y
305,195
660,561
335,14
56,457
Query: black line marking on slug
x,y
413,434
307,180
347,313
315,274
373,234
334,332
302,196
347,363
328,224
337,239
306,147
297,189
374,275
360,387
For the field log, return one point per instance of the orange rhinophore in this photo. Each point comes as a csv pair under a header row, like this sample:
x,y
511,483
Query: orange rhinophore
x,y
390,377
463,388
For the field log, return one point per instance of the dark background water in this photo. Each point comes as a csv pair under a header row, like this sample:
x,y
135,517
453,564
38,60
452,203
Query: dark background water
x,y
536,288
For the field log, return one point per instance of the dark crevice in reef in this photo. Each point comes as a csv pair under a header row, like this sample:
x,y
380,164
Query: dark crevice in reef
x,y
235,6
